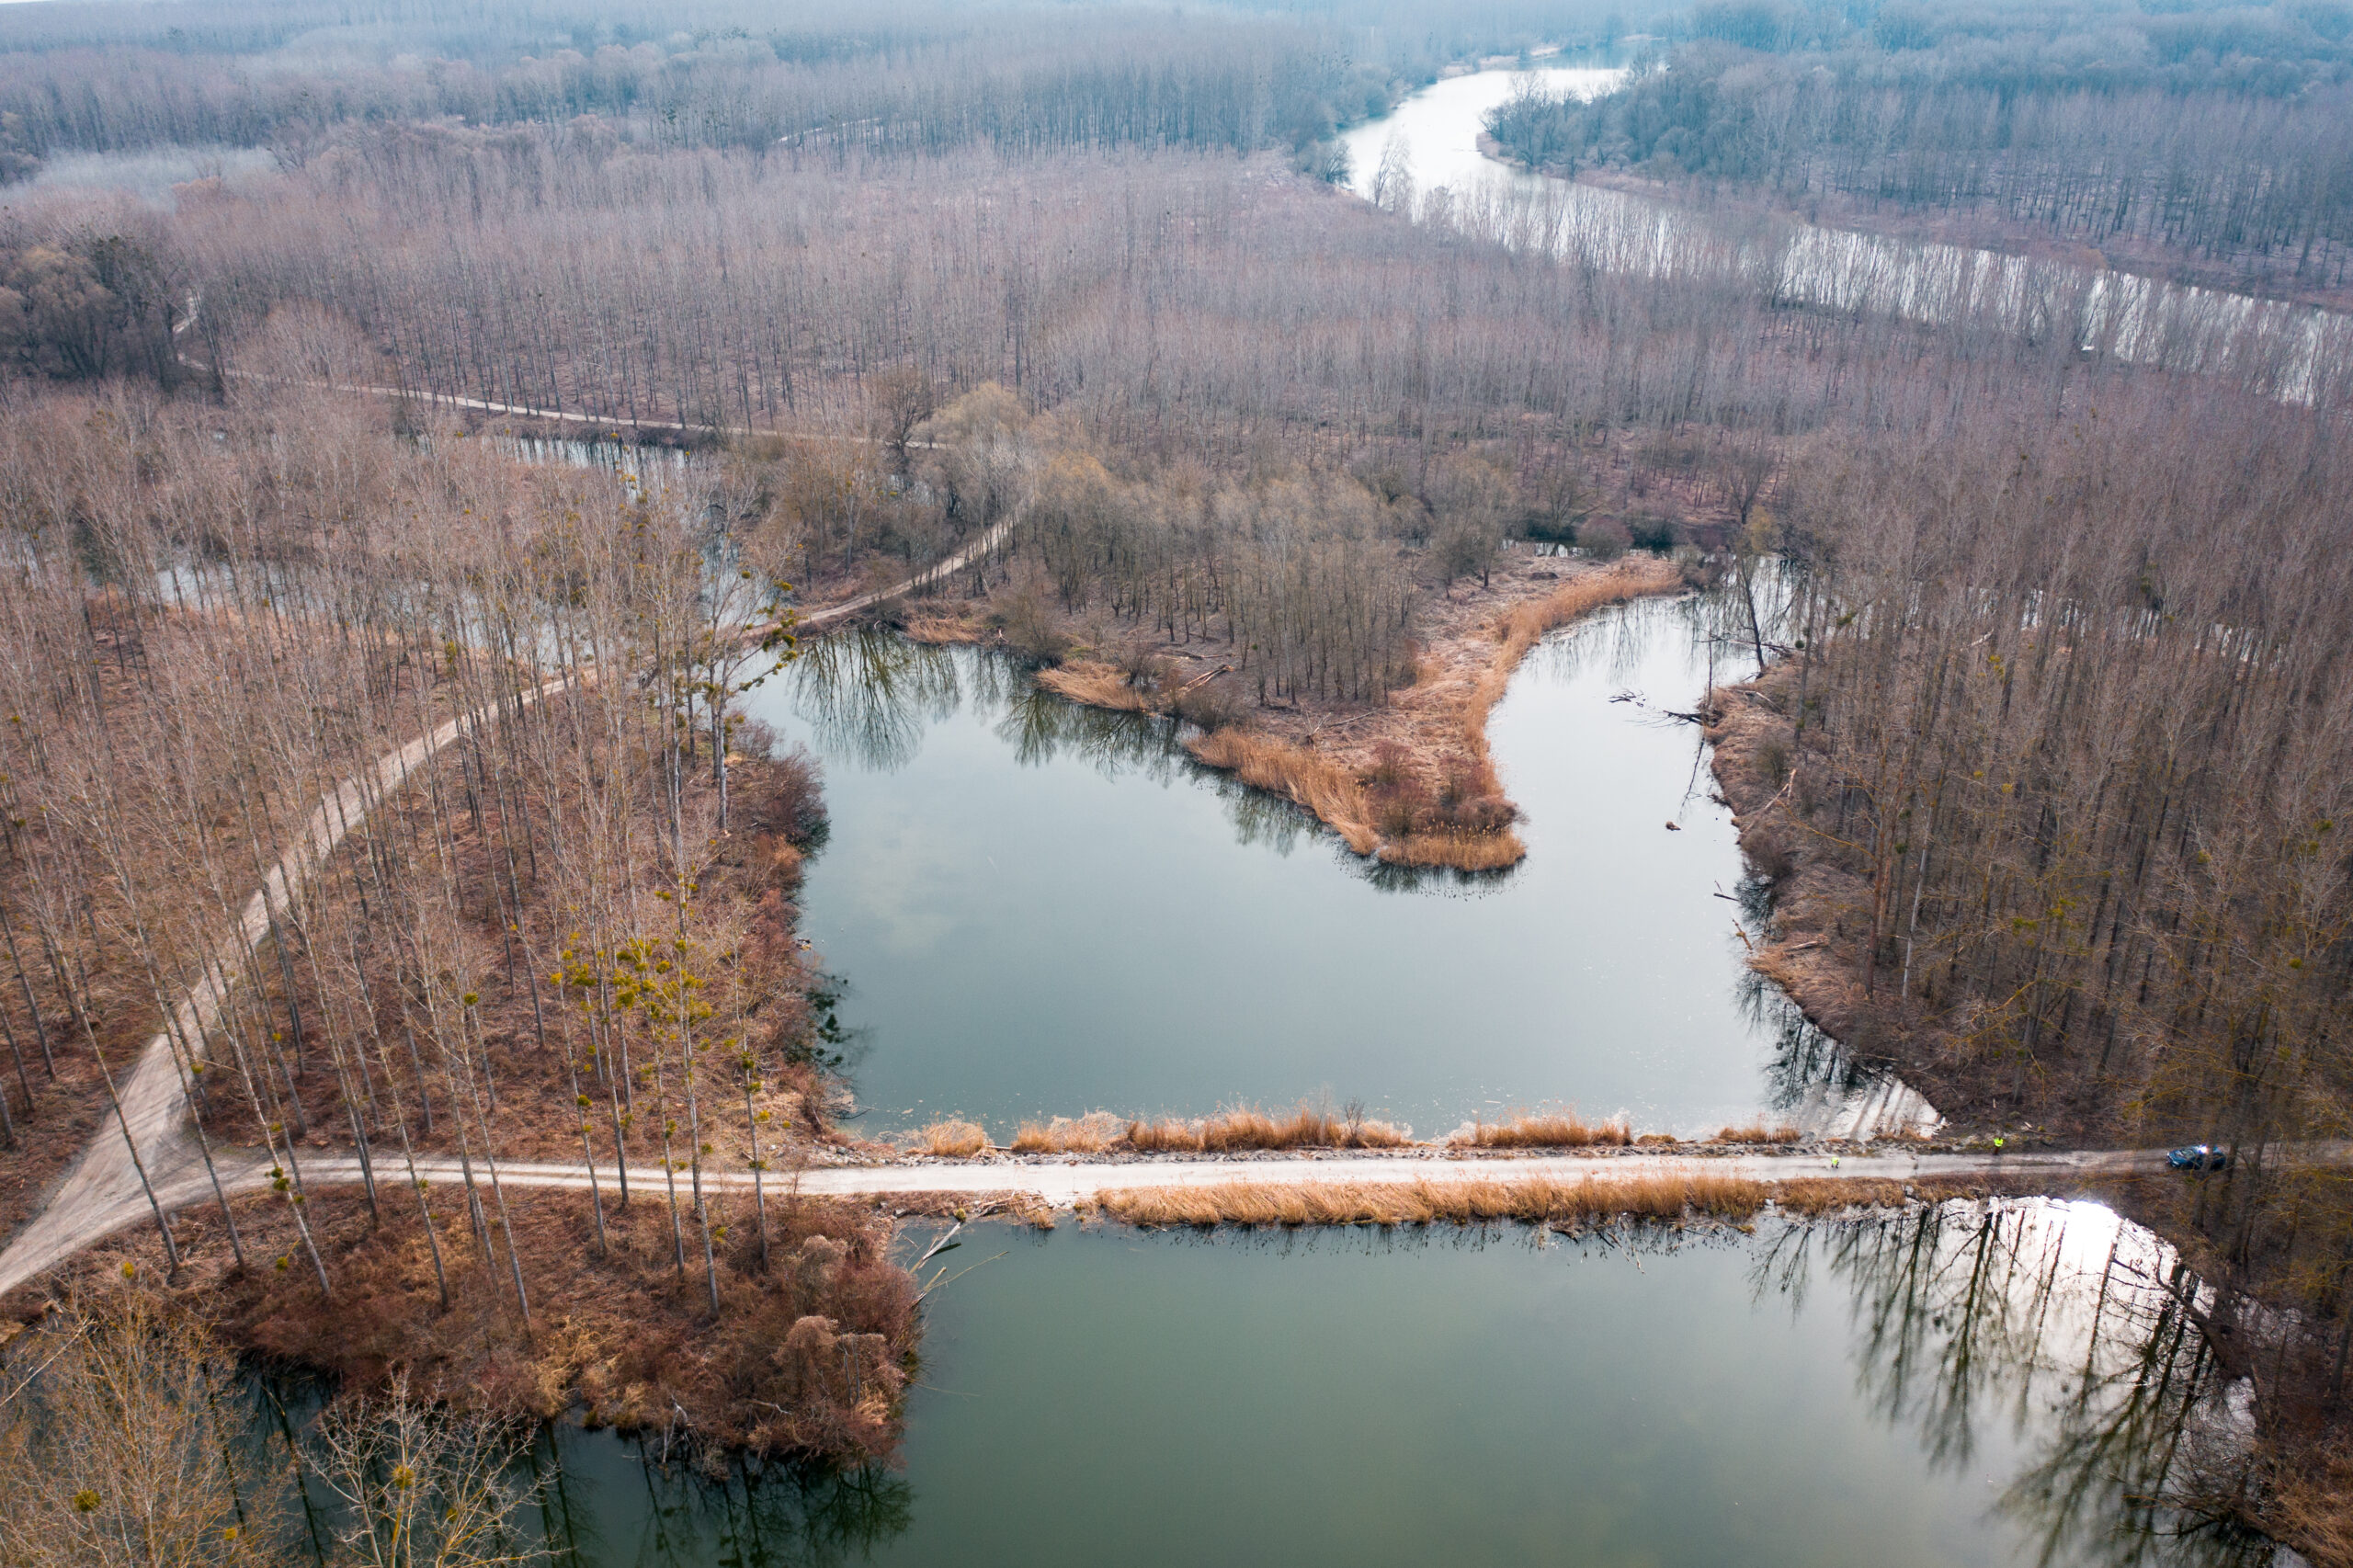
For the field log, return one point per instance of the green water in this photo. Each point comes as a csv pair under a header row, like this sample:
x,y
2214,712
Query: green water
x,y
1040,909
1951,1389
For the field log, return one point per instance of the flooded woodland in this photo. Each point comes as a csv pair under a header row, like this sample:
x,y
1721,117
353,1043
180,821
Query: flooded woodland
x,y
1318,785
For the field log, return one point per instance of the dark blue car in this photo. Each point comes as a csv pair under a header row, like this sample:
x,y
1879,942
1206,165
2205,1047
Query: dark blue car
x,y
2199,1157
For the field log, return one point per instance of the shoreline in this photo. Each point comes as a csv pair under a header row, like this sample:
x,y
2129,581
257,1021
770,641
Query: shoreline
x,y
1337,760
1840,215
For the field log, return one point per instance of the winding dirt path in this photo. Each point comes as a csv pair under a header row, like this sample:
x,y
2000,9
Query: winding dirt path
x,y
100,1194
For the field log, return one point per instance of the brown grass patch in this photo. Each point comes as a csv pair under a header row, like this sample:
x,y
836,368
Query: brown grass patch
x,y
1095,685
1810,1196
1458,819
1069,1135
1813,1196
952,1140
1562,1130
1463,851
1165,1137
1758,1133
1306,777
1252,1129
1429,1202
938,628
808,1356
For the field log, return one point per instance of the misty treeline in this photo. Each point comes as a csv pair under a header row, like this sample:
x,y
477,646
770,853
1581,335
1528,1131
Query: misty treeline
x,y
1276,413
2065,761
2223,134
558,926
895,77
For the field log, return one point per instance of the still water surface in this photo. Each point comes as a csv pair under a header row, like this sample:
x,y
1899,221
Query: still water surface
x,y
1953,1388
1040,909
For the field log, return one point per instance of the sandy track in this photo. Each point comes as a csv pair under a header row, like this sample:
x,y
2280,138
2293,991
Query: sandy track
x,y
100,1194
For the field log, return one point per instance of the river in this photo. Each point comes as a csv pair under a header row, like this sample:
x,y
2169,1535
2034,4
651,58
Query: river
x,y
2294,352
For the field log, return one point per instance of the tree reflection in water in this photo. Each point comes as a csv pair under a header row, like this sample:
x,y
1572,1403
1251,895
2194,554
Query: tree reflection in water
x,y
870,695
2053,1318
761,1516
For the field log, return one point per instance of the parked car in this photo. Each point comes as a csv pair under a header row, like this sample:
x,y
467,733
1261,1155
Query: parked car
x,y
2199,1157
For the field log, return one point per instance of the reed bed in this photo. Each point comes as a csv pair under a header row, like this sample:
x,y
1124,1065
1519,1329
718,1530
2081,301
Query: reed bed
x,y
952,1140
1426,1202
1250,1128
1088,1134
1758,1133
1296,773
1096,686
1463,850
1562,1130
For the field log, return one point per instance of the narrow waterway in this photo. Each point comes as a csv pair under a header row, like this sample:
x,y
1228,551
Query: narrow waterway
x,y
2295,352
1040,909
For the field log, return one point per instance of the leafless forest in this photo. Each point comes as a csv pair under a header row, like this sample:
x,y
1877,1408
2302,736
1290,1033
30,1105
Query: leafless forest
x,y
2184,141
2050,772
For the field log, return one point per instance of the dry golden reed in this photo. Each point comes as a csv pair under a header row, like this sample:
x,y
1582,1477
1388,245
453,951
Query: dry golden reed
x,y
1336,796
1462,850
1304,777
1520,627
1560,1131
952,1140
1096,686
1424,1203
1250,1128
1069,1135
1758,1133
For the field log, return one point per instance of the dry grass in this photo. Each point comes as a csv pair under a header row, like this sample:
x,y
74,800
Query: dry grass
x,y
1253,1128
1430,1202
1305,777
808,1356
2312,1504
1562,1130
1647,1195
1463,851
1096,686
1758,1133
1810,1196
1067,1136
952,1140
939,627
1164,1137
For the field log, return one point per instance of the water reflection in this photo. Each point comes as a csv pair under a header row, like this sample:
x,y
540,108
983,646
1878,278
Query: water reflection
x,y
2047,1318
606,1501
1046,909
872,695
1962,1384
869,697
